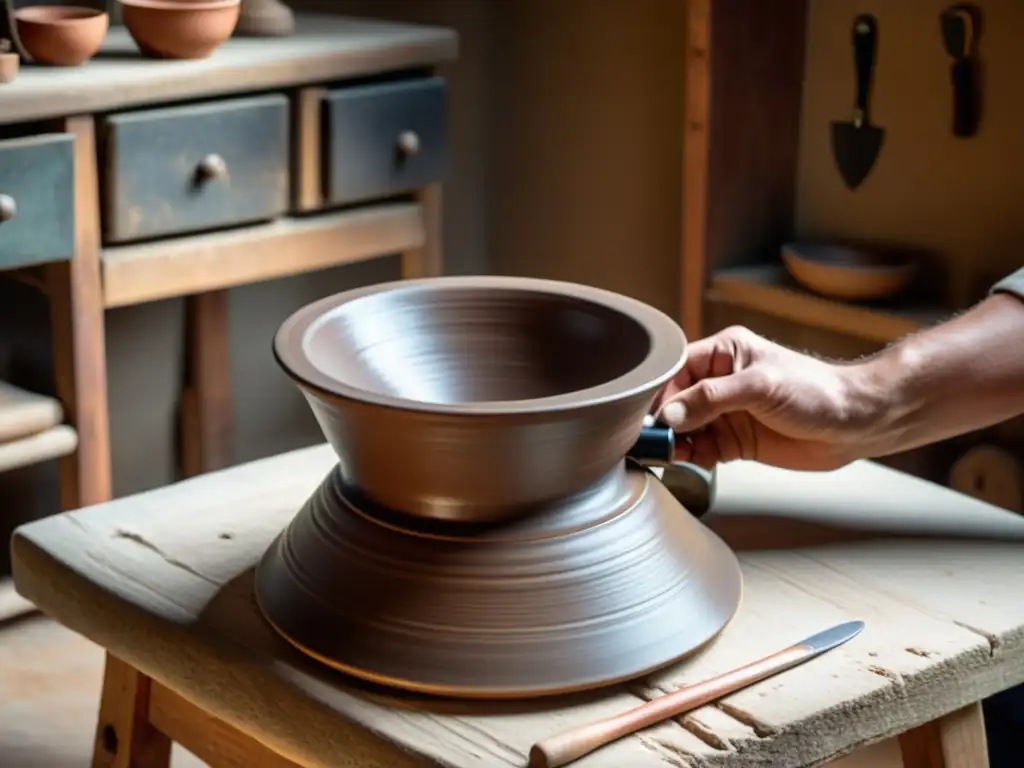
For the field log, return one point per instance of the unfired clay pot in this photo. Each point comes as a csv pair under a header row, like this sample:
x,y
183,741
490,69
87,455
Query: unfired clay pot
x,y
482,535
180,29
61,35
850,274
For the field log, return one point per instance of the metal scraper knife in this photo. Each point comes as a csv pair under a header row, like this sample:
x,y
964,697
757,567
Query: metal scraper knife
x,y
574,744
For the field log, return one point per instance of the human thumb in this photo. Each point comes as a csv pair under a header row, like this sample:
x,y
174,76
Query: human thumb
x,y
711,398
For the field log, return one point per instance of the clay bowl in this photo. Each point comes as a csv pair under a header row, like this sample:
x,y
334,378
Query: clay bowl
x,y
847,273
61,35
478,398
180,29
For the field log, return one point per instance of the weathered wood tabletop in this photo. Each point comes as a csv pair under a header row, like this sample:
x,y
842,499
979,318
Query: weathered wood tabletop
x,y
164,581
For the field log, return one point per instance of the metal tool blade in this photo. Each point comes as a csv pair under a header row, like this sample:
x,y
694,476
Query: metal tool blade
x,y
831,638
857,143
856,150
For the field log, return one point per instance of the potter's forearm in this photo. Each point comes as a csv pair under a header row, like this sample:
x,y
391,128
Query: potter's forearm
x,y
964,375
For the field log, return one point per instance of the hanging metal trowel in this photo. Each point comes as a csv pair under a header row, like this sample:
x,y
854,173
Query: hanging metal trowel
x,y
856,144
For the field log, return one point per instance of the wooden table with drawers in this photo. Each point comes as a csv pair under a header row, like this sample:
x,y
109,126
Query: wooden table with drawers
x,y
129,180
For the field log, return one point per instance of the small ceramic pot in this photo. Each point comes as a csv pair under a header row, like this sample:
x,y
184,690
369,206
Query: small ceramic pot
x,y
61,35
848,274
180,29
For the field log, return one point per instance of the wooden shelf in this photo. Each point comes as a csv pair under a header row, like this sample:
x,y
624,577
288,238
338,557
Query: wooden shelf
x,y
54,443
195,264
24,413
769,289
325,48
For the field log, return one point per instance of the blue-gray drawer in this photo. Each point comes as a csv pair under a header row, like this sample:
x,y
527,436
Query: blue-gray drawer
x,y
186,169
37,200
384,139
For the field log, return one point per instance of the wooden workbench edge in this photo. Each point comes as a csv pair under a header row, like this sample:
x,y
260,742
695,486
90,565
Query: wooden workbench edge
x,y
259,695
41,95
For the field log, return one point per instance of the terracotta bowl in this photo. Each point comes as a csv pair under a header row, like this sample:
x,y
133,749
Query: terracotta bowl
x,y
476,398
850,274
61,35
180,29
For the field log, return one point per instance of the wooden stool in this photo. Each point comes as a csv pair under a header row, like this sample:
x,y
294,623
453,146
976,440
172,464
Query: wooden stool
x,y
192,660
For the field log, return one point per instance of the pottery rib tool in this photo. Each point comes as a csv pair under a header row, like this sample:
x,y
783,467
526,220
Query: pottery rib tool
x,y
856,144
574,744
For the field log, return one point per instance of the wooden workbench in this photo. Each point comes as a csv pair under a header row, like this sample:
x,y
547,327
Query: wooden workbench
x,y
935,576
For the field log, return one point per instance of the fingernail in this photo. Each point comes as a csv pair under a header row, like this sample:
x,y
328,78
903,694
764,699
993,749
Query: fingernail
x,y
673,414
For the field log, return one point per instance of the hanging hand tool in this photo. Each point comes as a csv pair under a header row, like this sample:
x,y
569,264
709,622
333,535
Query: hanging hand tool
x,y
961,26
856,144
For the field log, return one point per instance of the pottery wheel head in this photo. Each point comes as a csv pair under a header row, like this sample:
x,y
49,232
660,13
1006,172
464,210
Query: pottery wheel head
x,y
610,587
477,398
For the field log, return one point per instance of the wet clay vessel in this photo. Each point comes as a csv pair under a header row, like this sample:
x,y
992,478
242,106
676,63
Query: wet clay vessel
x,y
482,535
180,29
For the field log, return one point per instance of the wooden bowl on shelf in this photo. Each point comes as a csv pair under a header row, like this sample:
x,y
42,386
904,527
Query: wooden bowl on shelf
x,y
849,273
180,29
61,35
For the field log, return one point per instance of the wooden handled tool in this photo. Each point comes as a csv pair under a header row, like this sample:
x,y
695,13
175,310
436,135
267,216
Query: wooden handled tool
x,y
574,744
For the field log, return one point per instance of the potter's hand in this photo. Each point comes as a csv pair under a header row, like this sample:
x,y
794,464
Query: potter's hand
x,y
741,396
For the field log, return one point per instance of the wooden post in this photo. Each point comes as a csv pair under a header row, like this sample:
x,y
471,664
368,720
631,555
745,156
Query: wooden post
x,y
79,348
124,736
954,741
427,261
207,408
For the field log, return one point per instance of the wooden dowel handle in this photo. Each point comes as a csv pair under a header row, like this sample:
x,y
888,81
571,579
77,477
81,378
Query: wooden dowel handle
x,y
563,748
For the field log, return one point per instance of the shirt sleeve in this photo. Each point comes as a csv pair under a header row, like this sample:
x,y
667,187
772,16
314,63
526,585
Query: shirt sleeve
x,y
1013,284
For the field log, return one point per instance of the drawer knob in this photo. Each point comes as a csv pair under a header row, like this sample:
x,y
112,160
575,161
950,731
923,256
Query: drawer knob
x,y
8,208
408,143
213,167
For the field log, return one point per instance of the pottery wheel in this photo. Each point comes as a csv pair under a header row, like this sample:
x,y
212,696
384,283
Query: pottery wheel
x,y
607,587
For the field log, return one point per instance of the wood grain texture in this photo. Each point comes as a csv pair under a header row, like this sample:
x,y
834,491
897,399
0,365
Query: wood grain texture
x,y
79,337
742,120
159,270
325,48
124,736
157,183
213,741
24,413
37,174
955,741
908,557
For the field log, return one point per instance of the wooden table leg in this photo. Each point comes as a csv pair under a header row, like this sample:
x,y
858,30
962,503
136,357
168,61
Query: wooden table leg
x,y
79,349
954,741
207,409
427,261
125,738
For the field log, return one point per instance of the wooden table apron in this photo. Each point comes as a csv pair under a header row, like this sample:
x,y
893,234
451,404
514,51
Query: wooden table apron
x,y
944,618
